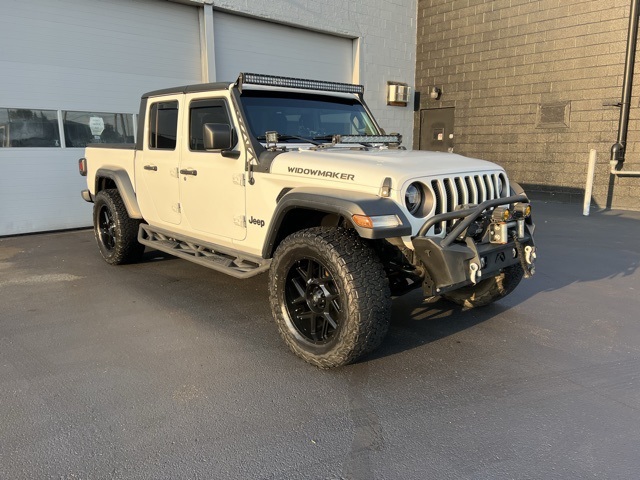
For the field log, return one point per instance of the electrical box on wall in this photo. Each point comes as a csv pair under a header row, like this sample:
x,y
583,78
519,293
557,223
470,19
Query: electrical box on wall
x,y
398,94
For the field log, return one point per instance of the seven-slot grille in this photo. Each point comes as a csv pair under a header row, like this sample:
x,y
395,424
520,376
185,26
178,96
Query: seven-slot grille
x,y
451,192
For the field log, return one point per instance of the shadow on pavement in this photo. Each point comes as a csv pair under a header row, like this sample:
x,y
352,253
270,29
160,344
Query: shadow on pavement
x,y
415,322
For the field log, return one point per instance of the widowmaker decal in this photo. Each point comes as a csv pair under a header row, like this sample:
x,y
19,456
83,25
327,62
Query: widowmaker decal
x,y
322,173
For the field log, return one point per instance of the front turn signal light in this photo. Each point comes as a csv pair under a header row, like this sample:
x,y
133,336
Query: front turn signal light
x,y
380,221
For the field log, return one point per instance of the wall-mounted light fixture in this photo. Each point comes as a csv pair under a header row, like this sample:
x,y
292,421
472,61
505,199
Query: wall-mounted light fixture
x,y
398,94
435,93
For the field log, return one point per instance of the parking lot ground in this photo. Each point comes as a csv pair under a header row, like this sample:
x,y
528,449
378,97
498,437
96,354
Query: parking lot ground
x,y
165,369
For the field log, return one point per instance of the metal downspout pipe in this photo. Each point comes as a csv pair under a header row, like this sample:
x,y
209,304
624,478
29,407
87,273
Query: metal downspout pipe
x,y
618,149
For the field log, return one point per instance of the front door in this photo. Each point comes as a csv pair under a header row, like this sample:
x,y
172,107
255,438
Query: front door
x,y
156,166
212,191
436,129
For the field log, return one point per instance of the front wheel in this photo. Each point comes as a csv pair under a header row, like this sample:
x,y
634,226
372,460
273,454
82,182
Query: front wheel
x,y
329,296
489,290
116,233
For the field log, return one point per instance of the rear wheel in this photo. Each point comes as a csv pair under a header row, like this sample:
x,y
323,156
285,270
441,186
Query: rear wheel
x,y
489,290
116,233
329,296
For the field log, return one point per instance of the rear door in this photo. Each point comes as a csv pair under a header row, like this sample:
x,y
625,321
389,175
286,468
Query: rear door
x,y
212,189
157,179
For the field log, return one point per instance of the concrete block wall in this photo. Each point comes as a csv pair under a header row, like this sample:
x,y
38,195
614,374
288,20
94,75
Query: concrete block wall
x,y
498,61
387,33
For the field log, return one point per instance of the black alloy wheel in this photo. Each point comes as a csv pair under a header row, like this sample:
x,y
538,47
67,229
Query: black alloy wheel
x,y
107,228
313,301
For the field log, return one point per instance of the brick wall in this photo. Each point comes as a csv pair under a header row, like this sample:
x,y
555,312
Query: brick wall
x,y
499,61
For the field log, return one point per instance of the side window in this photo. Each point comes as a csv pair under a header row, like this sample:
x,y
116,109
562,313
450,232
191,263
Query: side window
x,y
201,112
163,125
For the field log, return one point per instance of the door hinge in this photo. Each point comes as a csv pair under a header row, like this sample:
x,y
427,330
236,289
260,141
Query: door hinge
x,y
176,207
238,179
240,221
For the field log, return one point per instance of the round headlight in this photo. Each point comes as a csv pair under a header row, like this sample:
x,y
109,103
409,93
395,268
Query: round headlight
x,y
413,198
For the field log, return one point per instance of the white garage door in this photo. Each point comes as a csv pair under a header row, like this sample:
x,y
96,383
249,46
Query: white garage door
x,y
77,56
248,45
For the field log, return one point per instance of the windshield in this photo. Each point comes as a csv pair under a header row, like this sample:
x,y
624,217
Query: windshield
x,y
314,117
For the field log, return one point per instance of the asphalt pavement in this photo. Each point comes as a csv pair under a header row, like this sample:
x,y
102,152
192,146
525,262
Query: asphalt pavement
x,y
165,369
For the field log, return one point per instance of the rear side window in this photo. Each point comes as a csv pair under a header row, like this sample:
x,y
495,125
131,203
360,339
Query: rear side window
x,y
201,112
163,125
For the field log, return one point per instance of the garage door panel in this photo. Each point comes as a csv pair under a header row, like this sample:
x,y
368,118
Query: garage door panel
x,y
144,45
81,55
42,194
250,45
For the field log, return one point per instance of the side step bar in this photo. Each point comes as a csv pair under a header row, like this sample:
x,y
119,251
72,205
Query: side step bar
x,y
222,259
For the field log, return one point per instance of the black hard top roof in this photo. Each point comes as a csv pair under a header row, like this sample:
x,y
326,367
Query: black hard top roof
x,y
198,87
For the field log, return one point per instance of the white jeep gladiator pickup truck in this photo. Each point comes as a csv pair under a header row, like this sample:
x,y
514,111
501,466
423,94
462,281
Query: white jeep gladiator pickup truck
x,y
295,177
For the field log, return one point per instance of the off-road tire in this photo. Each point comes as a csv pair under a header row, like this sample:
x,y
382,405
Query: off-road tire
x,y
358,285
489,290
116,233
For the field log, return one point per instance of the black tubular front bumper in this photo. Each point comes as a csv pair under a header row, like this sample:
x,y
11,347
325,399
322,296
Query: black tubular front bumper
x,y
448,260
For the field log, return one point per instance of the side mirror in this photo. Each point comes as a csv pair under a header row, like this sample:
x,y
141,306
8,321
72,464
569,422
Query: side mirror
x,y
217,136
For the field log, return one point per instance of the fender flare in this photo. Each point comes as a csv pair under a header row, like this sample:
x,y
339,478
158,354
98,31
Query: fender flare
x,y
125,188
341,202
516,188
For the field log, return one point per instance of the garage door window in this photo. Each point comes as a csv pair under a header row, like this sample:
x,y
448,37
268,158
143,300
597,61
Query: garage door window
x,y
82,128
29,128
163,125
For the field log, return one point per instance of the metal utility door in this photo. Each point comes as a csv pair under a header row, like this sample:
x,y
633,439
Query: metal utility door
x,y
436,129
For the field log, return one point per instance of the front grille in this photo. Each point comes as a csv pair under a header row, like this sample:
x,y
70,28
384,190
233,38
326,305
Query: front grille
x,y
449,193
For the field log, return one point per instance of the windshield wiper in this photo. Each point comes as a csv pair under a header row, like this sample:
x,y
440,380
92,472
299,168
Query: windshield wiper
x,y
291,137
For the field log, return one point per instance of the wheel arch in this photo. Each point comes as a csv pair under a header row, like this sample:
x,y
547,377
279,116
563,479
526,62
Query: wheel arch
x,y
119,179
302,208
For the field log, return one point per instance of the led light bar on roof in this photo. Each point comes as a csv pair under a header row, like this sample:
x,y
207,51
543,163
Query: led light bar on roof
x,y
367,139
274,81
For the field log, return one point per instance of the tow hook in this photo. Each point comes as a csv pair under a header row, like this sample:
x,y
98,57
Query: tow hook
x,y
530,254
475,273
527,257
530,258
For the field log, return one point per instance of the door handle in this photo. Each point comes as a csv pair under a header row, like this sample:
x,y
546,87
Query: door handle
x,y
151,167
189,171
